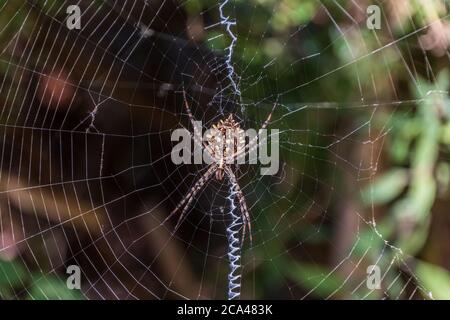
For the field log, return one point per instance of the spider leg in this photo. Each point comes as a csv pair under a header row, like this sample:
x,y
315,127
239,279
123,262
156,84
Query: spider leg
x,y
252,143
199,143
189,112
269,117
187,199
242,204
194,127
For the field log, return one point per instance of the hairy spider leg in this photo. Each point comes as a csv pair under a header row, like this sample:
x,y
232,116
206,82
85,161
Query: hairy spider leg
x,y
252,143
188,198
242,204
194,127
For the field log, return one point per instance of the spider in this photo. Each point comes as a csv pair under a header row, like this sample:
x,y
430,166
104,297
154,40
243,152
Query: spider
x,y
221,154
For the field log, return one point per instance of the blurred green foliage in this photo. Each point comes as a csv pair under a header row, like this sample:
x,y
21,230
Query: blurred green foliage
x,y
17,282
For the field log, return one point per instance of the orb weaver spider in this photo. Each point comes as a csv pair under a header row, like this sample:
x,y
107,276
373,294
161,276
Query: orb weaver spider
x,y
221,155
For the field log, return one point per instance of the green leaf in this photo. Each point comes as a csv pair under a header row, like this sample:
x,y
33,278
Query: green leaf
x,y
314,277
385,188
12,273
51,288
435,279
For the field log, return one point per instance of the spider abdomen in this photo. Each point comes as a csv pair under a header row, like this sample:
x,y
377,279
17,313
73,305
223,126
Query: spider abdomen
x,y
225,139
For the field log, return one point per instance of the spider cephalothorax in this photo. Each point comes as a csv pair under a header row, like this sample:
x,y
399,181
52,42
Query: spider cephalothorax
x,y
225,139
225,142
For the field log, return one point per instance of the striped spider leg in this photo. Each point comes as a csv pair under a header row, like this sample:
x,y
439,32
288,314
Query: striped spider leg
x,y
242,152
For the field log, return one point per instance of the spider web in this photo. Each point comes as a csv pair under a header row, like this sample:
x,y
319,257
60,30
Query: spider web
x,y
87,115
